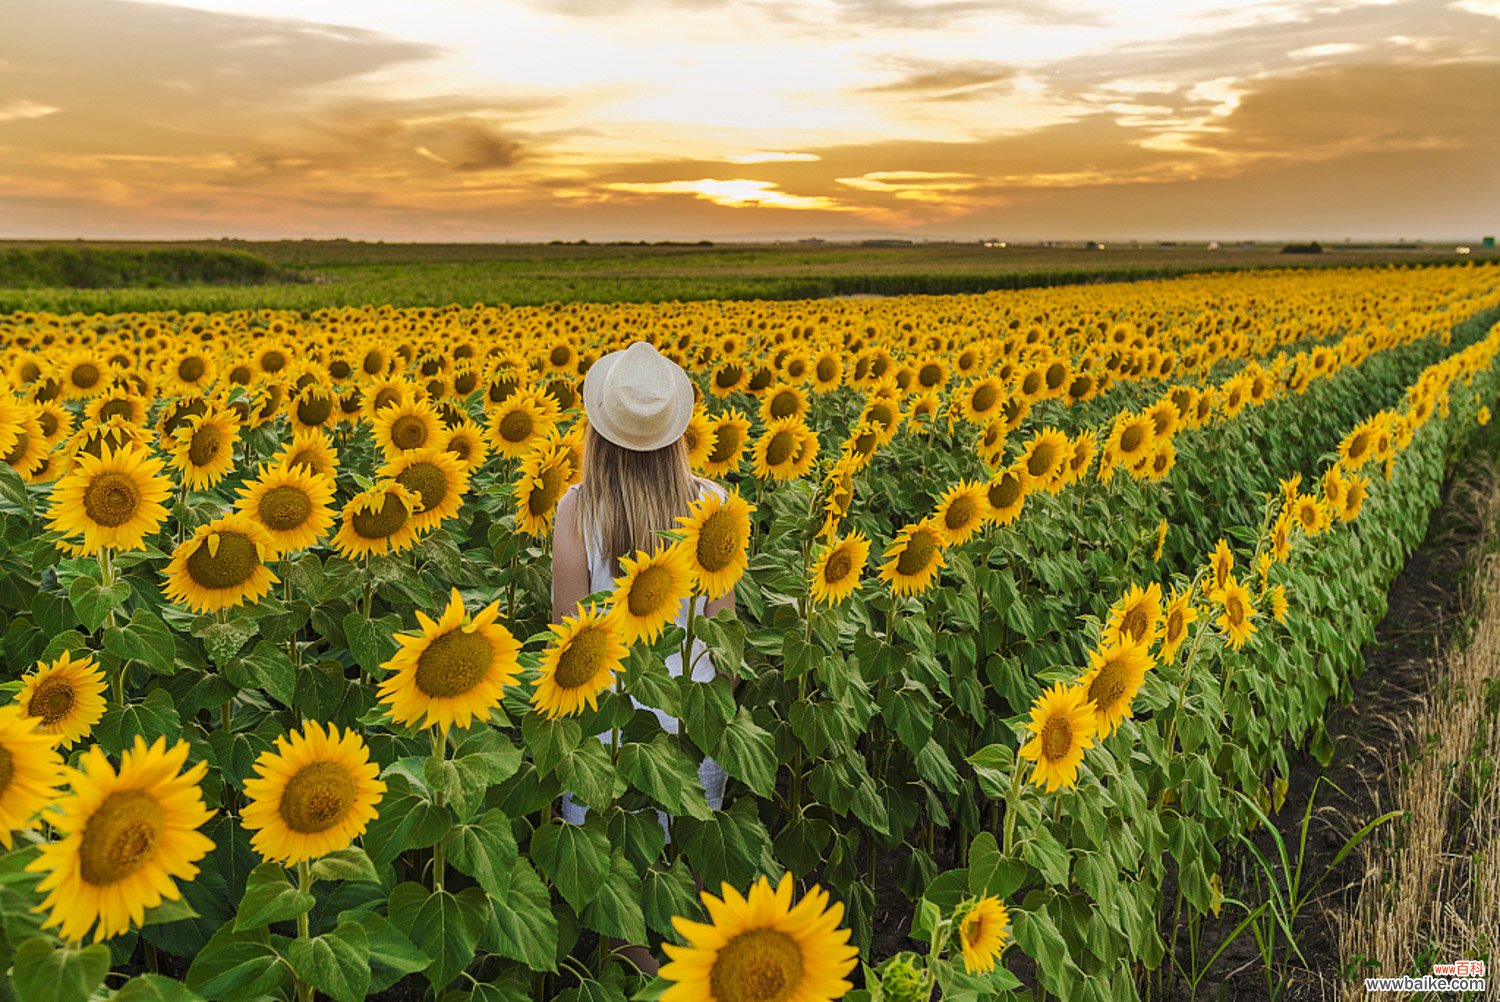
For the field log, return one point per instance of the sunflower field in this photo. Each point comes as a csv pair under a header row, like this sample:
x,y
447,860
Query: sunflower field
x,y
1036,594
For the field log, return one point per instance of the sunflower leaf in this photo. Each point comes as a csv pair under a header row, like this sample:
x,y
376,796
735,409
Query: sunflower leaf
x,y
47,973
351,863
616,911
336,963
485,851
94,602
392,955
153,717
748,754
445,926
270,896
660,770
370,639
523,926
237,967
574,857
154,988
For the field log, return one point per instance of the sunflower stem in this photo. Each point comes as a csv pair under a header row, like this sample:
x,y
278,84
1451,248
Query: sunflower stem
x,y
439,864
304,885
1011,803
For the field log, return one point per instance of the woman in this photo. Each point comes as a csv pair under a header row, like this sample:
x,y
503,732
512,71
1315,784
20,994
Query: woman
x,y
636,483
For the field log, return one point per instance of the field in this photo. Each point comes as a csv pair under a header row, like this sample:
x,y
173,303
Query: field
x,y
308,275
1041,595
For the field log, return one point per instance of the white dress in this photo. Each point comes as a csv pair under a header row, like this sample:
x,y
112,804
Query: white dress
x,y
602,578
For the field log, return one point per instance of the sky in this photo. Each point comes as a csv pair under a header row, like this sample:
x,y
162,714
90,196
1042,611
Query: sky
x,y
492,120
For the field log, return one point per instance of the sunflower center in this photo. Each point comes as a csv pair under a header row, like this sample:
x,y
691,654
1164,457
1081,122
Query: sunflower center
x,y
383,523
339,369
560,355
1135,622
51,701
191,369
315,409
427,481
1005,491
1108,687
726,444
317,797
1235,609
408,432
974,930
49,423
111,499
984,397
717,541
779,449
826,370
453,663
230,567
118,408
930,375
385,398
783,405
1057,738
204,447
838,566
307,458
1132,439
762,965
544,491
273,361
1040,462
729,375
284,508
649,591
916,555
460,447
85,375
960,513
7,769
581,660
373,363
18,450
1175,625
516,426
120,837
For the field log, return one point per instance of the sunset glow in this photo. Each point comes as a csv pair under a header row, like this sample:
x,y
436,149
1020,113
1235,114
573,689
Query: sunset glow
x,y
626,119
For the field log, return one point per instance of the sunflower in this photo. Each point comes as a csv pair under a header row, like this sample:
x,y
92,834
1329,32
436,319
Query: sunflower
x,y
982,934
837,569
435,478
1159,463
466,443
312,408
27,454
378,520
310,449
66,697
581,662
1136,616
761,947
1237,618
114,499
650,592
293,505
716,537
913,559
729,377
56,421
83,374
699,436
1179,616
1116,673
127,837
1080,458
1130,439
453,672
1046,457
1221,565
117,402
1063,724
203,448
786,450
729,433
781,402
404,427
859,448
32,771
519,423
1161,540
314,794
542,480
386,392
221,565
981,401
1006,494
1354,498
1310,514
192,371
1279,604
961,511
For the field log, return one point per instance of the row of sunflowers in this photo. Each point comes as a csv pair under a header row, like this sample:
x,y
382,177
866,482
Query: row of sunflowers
x,y
288,718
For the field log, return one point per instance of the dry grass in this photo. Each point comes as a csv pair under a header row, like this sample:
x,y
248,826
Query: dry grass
x,y
1435,895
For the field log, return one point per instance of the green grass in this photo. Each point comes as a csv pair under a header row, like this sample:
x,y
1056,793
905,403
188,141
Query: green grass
x,y
92,267
319,274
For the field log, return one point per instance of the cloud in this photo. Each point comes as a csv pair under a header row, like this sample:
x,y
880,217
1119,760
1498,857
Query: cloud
x,y
735,193
767,157
951,81
21,110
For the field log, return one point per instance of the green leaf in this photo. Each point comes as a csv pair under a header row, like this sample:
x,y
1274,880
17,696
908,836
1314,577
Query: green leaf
x,y
444,926
662,771
989,871
351,863
574,857
524,927
747,753
154,717
270,896
42,972
665,893
144,639
370,640
466,779
169,911
616,911
237,967
336,963
730,846
93,601
266,667
392,955
549,741
223,640
13,489
154,988
485,851
706,708
588,774
405,822
992,765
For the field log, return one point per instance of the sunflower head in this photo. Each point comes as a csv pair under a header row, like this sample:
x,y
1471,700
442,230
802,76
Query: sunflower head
x,y
963,508
1063,724
65,698
914,557
1116,674
435,478
585,654
649,593
837,569
114,500
292,504
378,520
223,564
983,928
716,538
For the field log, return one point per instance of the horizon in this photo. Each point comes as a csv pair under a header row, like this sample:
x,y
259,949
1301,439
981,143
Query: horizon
x,y
526,121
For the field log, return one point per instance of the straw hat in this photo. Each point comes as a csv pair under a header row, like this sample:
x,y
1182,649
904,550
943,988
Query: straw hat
x,y
638,398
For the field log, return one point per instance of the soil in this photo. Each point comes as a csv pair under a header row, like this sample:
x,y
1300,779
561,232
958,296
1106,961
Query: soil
x,y
1424,618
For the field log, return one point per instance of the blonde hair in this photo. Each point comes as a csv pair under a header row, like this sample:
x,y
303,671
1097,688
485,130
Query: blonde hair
x,y
628,497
